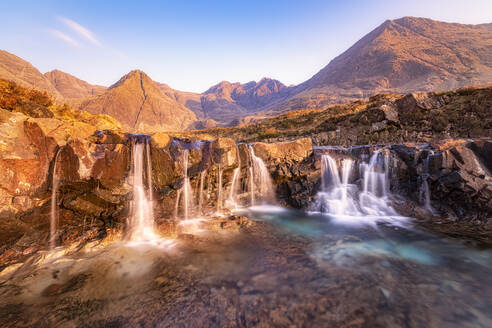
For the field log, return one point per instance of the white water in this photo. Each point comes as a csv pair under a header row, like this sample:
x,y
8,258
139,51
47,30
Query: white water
x,y
54,206
374,197
200,192
232,201
346,201
261,186
141,220
149,176
187,190
425,187
336,196
251,186
219,190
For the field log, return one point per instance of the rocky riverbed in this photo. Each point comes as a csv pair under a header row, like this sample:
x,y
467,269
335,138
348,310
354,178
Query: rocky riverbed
x,y
280,269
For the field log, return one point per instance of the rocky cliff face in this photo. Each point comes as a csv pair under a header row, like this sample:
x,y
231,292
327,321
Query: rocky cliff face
x,y
94,183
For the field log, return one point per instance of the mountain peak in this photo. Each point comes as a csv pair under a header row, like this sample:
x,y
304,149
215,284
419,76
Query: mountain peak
x,y
71,87
138,102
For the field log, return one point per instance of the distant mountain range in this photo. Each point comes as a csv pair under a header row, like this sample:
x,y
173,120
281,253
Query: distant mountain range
x,y
400,56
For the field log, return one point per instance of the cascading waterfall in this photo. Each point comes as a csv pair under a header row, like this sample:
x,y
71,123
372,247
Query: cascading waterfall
x,y
232,199
200,192
374,197
251,186
425,190
261,186
336,194
54,206
149,175
187,190
219,189
141,220
339,198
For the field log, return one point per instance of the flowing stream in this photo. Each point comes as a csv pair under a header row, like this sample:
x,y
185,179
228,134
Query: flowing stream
x,y
141,220
283,267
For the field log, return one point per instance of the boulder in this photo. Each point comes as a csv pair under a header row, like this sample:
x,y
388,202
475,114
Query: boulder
x,y
160,140
224,152
290,151
112,164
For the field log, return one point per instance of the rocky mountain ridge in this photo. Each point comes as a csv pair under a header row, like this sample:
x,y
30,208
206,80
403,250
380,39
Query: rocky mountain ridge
x,y
400,56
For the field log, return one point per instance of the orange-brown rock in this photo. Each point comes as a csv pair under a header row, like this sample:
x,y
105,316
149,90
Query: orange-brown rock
x,y
71,87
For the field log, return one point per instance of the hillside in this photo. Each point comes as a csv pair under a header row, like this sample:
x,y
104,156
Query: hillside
x,y
386,118
16,69
71,87
137,102
39,105
403,55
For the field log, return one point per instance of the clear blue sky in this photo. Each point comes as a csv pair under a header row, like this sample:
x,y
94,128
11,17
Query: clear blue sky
x,y
192,45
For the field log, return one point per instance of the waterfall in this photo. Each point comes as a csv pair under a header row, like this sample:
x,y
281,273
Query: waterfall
x,y
260,181
149,176
425,190
338,197
187,190
176,205
141,220
232,199
200,192
54,206
374,197
219,189
251,186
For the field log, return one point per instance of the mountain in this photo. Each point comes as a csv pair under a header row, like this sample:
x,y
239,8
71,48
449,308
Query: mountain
x,y
71,87
226,101
138,102
403,55
16,69
190,100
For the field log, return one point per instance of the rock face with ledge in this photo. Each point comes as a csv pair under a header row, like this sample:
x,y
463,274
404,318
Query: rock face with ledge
x,y
95,186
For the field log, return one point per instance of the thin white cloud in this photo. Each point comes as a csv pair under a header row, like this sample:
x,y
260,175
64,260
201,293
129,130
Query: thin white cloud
x,y
62,36
81,31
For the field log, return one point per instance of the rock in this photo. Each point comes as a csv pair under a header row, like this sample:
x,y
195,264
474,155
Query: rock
x,y
160,140
109,137
413,101
112,164
464,184
483,150
165,170
224,152
281,152
390,112
378,126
